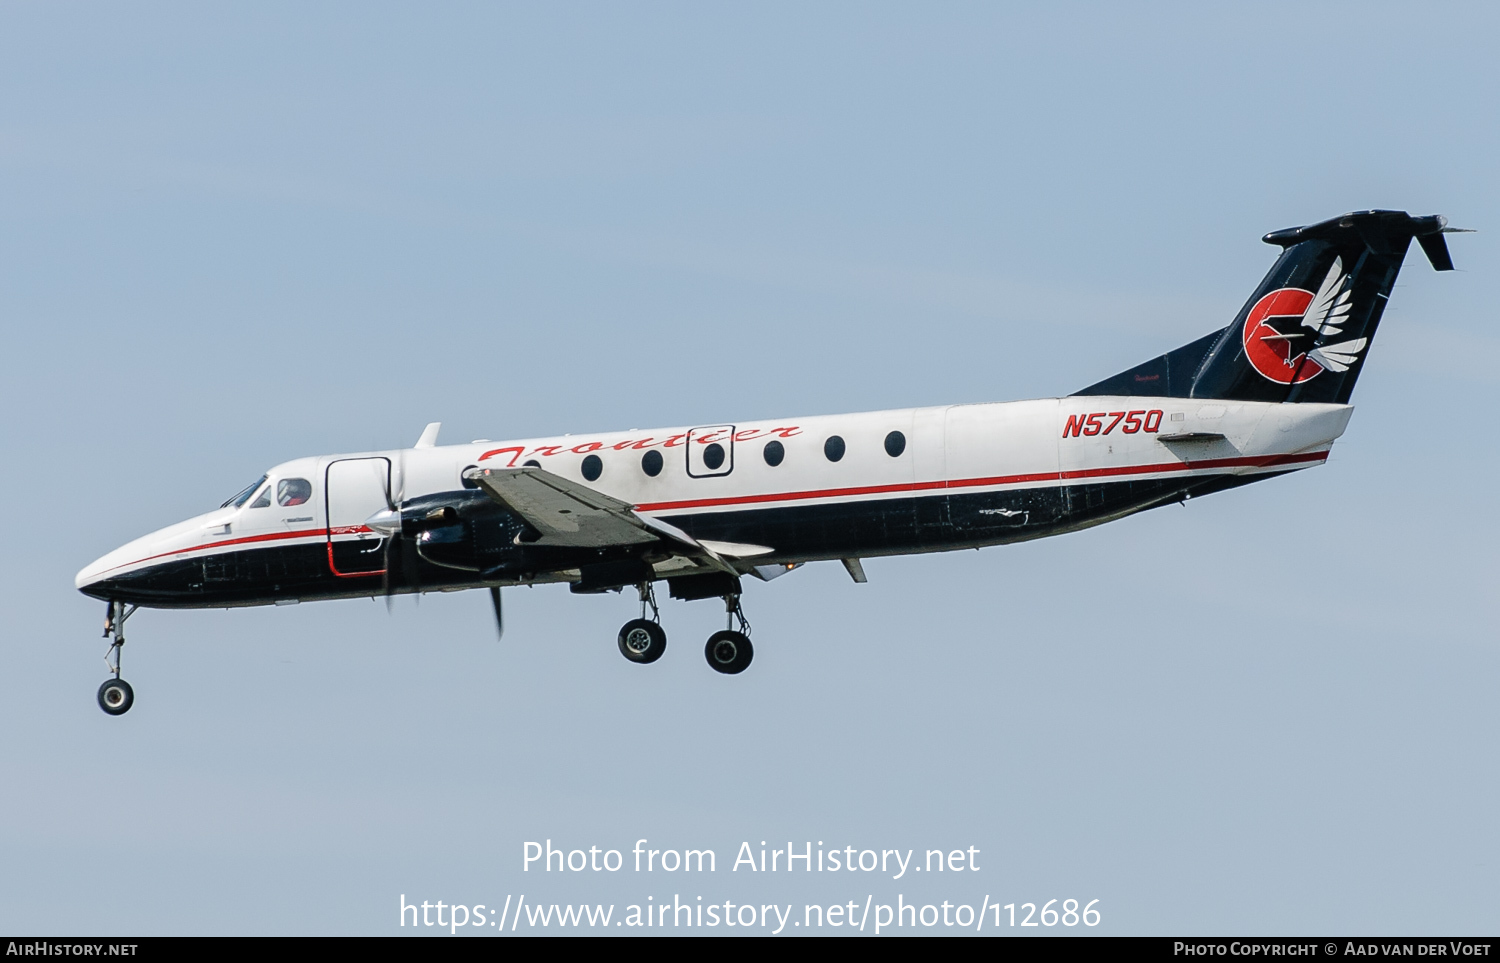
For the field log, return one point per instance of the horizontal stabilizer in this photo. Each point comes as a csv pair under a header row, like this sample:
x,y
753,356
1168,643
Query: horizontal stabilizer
x,y
1192,436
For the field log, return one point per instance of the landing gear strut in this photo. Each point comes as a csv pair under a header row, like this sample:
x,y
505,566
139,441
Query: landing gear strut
x,y
730,651
642,640
115,695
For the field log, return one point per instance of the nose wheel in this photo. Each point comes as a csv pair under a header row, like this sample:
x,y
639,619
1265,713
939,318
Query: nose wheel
x,y
115,695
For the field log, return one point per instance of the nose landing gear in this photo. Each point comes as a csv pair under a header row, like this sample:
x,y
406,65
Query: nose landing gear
x,y
115,695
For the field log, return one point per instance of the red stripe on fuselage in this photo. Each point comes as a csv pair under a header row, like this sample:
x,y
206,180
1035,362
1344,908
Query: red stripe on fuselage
x,y
1263,461
267,537
1259,461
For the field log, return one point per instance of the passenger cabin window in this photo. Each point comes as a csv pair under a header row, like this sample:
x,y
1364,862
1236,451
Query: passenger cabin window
x,y
263,500
293,491
239,500
833,448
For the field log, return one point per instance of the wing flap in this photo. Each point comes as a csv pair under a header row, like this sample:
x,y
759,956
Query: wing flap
x,y
736,549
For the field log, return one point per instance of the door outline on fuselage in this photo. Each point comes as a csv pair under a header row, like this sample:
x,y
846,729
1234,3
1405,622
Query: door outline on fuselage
x,y
358,529
699,440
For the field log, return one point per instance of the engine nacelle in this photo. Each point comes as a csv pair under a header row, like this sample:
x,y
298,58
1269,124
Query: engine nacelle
x,y
462,530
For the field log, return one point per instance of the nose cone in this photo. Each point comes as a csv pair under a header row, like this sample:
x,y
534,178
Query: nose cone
x,y
135,571
108,576
93,572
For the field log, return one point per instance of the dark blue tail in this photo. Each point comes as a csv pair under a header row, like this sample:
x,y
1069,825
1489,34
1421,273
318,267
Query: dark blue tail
x,y
1305,332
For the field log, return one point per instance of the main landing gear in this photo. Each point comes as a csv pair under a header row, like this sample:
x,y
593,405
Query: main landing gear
x,y
115,695
643,640
730,651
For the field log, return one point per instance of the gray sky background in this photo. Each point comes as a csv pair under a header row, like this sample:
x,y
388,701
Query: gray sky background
x,y
233,236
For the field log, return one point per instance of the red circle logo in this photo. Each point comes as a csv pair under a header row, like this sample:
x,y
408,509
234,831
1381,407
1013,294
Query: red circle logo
x,y
1272,329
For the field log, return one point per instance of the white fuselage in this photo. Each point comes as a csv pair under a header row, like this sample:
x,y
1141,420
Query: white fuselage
x,y
968,475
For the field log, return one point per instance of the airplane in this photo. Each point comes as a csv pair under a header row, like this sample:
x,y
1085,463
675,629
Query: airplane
x,y
704,507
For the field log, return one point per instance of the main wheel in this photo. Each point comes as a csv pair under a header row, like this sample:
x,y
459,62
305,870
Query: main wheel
x,y
642,640
116,697
729,652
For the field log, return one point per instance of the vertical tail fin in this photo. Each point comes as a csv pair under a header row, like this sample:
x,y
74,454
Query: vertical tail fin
x,y
1305,332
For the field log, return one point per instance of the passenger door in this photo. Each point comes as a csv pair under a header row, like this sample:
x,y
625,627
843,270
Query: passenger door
x,y
355,489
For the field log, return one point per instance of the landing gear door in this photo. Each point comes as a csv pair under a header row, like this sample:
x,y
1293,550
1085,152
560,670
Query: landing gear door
x,y
356,489
710,451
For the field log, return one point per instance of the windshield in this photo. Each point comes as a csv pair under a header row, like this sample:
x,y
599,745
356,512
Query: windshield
x,y
244,496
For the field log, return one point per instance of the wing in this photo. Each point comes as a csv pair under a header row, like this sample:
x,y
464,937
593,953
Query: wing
x,y
569,515
1330,306
1338,357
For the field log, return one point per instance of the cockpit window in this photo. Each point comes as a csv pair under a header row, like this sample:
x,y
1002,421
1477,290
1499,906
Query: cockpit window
x,y
244,496
263,500
293,491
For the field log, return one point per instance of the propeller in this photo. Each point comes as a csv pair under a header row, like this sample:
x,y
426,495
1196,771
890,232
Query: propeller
x,y
400,554
388,523
499,611
401,530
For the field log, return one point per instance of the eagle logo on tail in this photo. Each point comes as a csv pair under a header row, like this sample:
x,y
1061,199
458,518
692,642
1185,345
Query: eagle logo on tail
x,y
1276,327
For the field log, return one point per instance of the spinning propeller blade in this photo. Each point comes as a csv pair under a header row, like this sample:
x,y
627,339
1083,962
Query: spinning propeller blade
x,y
393,505
499,612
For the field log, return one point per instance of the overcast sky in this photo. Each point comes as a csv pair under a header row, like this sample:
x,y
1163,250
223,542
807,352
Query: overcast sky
x,y
230,236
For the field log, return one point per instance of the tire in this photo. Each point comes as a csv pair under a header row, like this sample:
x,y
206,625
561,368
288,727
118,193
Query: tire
x,y
729,652
116,697
642,641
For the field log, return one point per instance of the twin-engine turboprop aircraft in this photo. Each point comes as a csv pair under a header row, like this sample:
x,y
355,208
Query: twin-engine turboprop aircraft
x,y
703,507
